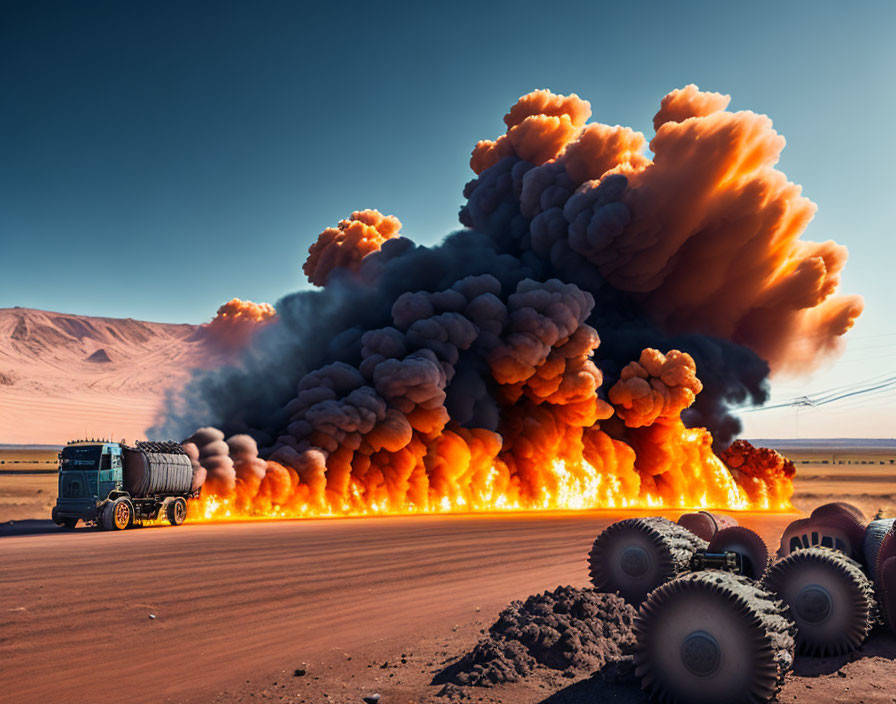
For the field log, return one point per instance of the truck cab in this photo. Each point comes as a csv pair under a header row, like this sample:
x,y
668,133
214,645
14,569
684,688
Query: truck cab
x,y
89,472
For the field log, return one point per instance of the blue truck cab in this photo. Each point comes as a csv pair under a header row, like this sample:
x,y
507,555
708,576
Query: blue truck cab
x,y
89,472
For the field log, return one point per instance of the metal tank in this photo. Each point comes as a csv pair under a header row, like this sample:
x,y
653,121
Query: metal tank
x,y
156,468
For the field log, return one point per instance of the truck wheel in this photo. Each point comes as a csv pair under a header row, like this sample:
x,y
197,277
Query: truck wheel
x,y
117,515
636,555
709,637
830,600
176,511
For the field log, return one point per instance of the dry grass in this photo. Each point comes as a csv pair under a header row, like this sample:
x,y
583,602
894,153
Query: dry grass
x,y
17,460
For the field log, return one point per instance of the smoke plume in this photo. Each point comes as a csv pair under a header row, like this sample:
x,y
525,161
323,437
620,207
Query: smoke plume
x,y
235,323
344,246
584,340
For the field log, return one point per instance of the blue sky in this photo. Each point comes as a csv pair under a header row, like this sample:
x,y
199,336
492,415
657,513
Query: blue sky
x,y
160,158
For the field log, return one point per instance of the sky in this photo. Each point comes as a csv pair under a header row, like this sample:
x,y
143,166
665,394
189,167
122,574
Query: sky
x,y
160,158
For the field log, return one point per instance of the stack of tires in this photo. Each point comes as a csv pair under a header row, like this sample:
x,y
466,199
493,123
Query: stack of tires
x,y
720,622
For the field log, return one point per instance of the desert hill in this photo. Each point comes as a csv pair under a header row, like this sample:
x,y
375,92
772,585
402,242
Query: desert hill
x,y
63,375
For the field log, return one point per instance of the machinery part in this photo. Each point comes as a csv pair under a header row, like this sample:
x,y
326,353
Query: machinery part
x,y
117,514
709,637
176,511
834,525
724,561
704,524
750,548
887,592
830,599
635,556
846,517
875,535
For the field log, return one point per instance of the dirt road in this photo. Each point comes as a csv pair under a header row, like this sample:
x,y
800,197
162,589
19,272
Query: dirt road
x,y
238,603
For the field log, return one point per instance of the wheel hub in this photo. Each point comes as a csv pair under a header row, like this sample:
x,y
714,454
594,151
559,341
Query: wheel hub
x,y
634,561
814,604
701,654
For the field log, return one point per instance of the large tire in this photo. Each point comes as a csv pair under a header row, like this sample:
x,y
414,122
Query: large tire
x,y
875,534
117,514
711,637
829,597
176,511
634,556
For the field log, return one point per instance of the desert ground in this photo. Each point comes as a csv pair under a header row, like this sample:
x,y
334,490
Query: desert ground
x,y
65,376
330,610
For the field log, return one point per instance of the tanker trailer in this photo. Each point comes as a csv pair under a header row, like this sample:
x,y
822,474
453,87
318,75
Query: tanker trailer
x,y
114,485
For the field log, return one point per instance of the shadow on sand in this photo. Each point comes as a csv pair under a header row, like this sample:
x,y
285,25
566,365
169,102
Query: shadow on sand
x,y
31,527
881,644
34,526
600,688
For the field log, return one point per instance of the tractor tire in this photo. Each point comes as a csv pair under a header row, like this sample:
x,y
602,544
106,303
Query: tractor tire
x,y
117,514
634,556
829,597
176,511
710,637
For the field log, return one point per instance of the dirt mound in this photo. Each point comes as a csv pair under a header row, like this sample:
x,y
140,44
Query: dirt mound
x,y
100,357
568,629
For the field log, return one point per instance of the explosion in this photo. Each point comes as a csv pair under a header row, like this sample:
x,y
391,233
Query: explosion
x,y
581,344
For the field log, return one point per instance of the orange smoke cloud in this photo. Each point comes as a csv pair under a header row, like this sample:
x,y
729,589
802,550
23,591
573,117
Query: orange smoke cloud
x,y
236,321
345,245
675,463
655,386
761,471
706,235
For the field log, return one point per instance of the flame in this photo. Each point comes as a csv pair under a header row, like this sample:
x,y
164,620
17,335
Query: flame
x,y
571,483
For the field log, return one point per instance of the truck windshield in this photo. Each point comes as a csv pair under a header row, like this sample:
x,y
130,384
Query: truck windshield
x,y
80,457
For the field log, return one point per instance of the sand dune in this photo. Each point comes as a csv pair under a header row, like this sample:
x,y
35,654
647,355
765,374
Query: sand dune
x,y
63,376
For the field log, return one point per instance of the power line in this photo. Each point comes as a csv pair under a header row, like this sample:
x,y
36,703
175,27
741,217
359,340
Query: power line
x,y
837,393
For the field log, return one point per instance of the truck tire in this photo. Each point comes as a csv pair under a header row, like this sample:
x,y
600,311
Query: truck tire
x,y
830,600
117,514
709,637
634,556
176,511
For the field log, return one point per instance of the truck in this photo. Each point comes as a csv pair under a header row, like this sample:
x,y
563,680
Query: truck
x,y
115,486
